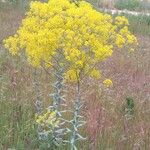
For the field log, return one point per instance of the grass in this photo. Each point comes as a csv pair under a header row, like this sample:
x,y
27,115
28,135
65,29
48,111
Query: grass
x,y
108,126
139,24
133,5
127,4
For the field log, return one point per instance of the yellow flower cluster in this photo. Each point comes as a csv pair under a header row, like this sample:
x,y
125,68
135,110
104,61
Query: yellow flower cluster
x,y
121,20
108,82
124,36
95,74
83,35
47,120
72,75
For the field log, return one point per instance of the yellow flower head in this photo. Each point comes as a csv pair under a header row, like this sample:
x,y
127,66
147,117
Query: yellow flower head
x,y
108,82
47,119
95,74
71,75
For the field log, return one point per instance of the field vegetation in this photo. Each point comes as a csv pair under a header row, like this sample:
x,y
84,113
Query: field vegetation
x,y
117,116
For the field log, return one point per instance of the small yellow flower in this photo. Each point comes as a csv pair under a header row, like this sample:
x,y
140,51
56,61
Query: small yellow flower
x,y
71,75
47,119
79,64
131,50
95,74
108,82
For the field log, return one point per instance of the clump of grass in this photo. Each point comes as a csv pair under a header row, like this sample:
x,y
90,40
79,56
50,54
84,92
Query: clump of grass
x,y
139,24
127,4
129,108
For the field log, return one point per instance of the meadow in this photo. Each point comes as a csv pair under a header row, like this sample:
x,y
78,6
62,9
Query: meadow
x,y
117,118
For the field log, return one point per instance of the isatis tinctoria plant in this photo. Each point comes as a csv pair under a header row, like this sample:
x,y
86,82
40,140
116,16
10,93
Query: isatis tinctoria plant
x,y
71,38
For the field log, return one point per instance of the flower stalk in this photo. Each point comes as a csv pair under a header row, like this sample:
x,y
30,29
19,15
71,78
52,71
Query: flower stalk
x,y
77,121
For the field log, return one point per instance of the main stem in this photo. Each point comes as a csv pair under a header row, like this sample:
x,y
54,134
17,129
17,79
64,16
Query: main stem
x,y
58,88
75,121
59,102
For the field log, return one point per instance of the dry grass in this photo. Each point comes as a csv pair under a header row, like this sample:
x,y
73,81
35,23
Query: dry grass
x,y
106,113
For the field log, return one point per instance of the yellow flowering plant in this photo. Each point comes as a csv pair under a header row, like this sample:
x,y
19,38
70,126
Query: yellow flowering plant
x,y
82,35
72,36
47,120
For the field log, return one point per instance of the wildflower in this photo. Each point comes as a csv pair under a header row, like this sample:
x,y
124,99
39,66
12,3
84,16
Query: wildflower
x,y
71,75
108,82
121,20
95,74
47,120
